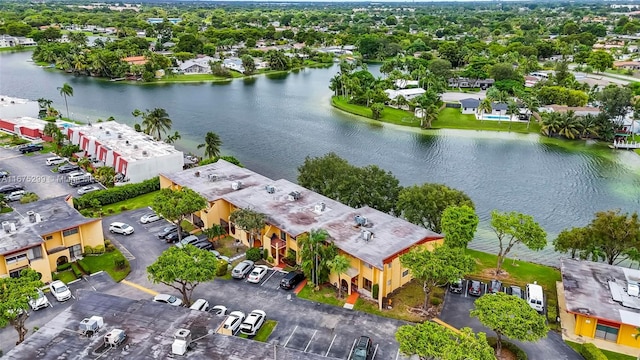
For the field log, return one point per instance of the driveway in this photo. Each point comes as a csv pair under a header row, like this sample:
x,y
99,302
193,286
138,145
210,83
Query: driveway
x,y
457,96
456,313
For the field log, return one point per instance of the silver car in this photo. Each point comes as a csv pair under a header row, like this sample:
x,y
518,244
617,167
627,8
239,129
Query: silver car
x,y
242,269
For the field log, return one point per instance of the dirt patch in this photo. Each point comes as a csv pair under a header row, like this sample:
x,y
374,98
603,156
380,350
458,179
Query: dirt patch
x,y
491,274
506,354
228,246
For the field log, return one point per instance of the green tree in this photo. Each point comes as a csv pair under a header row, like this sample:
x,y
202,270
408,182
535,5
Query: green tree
x,y
512,109
484,107
65,91
177,205
615,102
212,144
252,222
600,60
509,316
440,68
14,300
214,232
106,175
436,268
515,228
424,204
612,235
248,64
50,129
316,253
458,224
172,138
183,269
339,264
572,241
503,71
429,340
376,110
154,121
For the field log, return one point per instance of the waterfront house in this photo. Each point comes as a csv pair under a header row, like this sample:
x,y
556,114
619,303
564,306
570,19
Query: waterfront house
x,y
627,65
469,105
234,64
467,83
196,66
408,94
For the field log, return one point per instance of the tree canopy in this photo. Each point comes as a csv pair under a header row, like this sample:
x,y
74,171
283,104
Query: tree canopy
x,y
177,205
14,300
458,224
250,221
316,255
515,228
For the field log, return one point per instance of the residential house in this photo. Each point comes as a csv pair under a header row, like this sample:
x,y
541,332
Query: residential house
x,y
467,83
155,20
196,66
135,60
530,81
30,128
234,64
11,41
627,65
404,83
601,301
408,94
371,240
469,105
578,110
44,234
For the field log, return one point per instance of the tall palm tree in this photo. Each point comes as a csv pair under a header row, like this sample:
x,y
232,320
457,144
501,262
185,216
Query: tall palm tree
x,y
156,121
532,105
211,145
44,103
569,125
589,126
340,264
484,107
173,138
551,123
512,109
66,90
429,115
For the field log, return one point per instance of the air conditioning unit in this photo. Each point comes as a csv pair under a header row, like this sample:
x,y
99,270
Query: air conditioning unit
x,y
212,177
91,325
236,185
6,226
360,220
120,136
270,189
320,207
115,337
294,195
367,235
107,132
633,289
181,342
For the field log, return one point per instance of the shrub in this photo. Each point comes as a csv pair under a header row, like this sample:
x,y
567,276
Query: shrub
x,y
76,270
270,259
123,208
374,291
265,253
591,352
54,277
435,301
222,268
28,198
110,211
119,193
63,267
519,353
254,254
107,242
99,249
88,250
84,267
110,248
120,262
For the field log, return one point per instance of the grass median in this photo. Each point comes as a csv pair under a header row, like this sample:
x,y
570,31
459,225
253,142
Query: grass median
x,y
137,202
107,262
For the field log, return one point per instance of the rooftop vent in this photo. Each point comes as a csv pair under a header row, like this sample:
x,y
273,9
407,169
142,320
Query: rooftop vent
x,y
90,326
34,217
361,220
236,185
294,195
145,152
196,174
366,235
181,342
107,132
120,137
6,226
115,337
633,289
127,142
135,146
270,189
320,207
213,177
100,127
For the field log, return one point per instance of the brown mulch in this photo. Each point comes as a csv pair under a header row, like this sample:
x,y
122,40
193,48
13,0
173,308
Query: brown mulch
x,y
491,274
506,354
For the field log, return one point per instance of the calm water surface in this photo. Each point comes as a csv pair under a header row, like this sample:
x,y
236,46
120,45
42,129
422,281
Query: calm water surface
x,y
272,123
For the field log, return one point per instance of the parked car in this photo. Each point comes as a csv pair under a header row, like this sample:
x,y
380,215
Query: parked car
x,y
257,274
60,290
167,230
225,258
56,160
456,287
82,180
218,310
167,299
495,286
292,279
233,322
203,244
173,237
39,302
68,168
15,195
8,189
242,269
120,228
475,288
87,189
189,240
149,218
200,305
30,148
515,291
363,348
253,322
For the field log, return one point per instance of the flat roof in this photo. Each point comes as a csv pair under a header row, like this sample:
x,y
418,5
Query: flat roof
x,y
149,329
33,123
225,174
55,215
127,142
295,217
599,290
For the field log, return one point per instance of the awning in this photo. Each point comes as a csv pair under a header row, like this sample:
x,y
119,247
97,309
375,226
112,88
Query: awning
x,y
278,243
352,272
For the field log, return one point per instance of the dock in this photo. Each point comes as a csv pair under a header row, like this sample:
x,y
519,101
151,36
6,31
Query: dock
x,y
625,145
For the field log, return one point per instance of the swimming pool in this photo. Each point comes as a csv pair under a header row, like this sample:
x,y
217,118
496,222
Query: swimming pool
x,y
495,117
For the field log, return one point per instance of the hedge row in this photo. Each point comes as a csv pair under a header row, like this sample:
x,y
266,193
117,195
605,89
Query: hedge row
x,y
591,352
116,194
519,353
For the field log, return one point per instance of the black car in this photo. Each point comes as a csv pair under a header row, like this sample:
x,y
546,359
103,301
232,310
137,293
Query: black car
x,y
167,230
495,286
68,168
292,279
362,350
30,148
83,182
475,288
204,245
173,237
456,287
7,189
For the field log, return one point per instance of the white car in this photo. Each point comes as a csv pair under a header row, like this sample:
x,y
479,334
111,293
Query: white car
x,y
87,189
15,196
218,310
253,322
121,228
200,305
233,322
257,274
167,299
149,218
39,302
60,290
56,160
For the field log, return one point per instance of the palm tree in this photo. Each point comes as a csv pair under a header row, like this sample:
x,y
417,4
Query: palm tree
x,y
106,175
429,115
50,128
551,123
532,105
173,138
314,239
589,126
84,163
512,109
44,104
155,121
66,90
569,125
211,145
484,107
215,231
340,264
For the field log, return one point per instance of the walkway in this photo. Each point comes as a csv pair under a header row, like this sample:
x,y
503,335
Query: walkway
x,y
351,300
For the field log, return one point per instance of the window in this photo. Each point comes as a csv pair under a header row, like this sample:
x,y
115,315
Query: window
x,y
48,237
70,232
283,235
16,258
366,284
367,265
35,253
75,251
607,332
389,265
16,273
292,238
405,273
388,282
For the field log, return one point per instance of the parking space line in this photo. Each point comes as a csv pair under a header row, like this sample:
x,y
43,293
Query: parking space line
x,y
330,345
267,279
375,352
310,340
397,354
294,330
352,346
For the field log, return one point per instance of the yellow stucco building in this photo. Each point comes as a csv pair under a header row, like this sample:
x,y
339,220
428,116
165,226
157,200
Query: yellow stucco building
x,y
603,299
372,240
44,234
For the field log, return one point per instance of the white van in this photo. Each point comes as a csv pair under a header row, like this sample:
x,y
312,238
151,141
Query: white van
x,y
535,297
56,160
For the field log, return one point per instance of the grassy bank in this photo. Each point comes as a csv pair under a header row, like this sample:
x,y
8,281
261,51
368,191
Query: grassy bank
x,y
451,118
106,262
389,115
609,354
10,49
130,204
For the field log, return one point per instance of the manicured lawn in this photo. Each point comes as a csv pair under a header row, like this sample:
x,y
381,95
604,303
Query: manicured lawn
x,y
47,148
24,48
227,246
325,295
520,273
187,226
265,331
450,118
610,355
389,115
106,263
130,204
192,78
66,276
637,151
